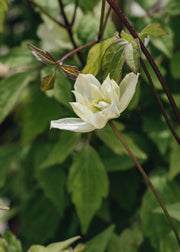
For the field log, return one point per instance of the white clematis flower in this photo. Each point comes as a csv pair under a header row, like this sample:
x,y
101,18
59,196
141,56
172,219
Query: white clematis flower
x,y
96,104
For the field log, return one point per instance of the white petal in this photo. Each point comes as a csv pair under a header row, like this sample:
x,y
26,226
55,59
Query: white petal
x,y
96,92
81,99
127,89
83,84
99,119
109,84
81,110
111,91
72,124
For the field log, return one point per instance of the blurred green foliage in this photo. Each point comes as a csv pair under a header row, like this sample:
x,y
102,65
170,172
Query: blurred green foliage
x,y
59,185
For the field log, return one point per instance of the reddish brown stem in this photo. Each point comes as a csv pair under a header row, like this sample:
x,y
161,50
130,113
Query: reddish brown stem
x,y
77,50
159,102
148,56
148,181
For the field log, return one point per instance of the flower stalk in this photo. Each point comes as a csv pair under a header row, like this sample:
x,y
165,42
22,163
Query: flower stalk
x,y
147,180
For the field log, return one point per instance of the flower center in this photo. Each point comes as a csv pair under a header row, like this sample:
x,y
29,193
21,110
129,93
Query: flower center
x,y
99,104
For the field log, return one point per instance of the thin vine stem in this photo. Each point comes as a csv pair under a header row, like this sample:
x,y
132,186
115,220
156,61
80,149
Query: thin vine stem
x,y
147,180
103,21
106,19
47,14
159,102
77,50
101,18
74,14
100,33
148,56
69,30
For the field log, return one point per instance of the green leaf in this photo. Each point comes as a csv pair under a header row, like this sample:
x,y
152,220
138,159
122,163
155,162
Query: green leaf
x,y
52,180
88,28
48,81
129,240
154,30
155,80
54,247
113,162
175,65
173,8
11,89
88,5
173,209
114,245
37,114
3,207
62,89
62,149
132,55
155,226
41,218
43,56
88,183
95,55
164,43
158,131
100,242
125,185
126,36
169,243
113,59
110,139
19,56
8,153
3,246
174,168
14,245
70,71
3,9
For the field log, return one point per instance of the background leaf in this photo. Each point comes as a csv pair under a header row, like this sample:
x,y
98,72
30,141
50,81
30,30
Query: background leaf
x,y
173,209
61,150
129,240
156,226
174,65
14,244
154,30
110,139
3,207
3,245
10,91
3,9
88,184
37,114
174,168
8,154
54,247
62,89
52,180
100,242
